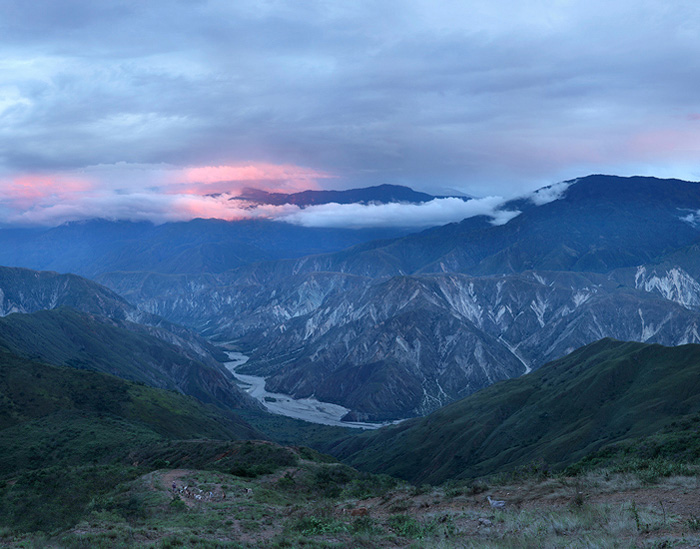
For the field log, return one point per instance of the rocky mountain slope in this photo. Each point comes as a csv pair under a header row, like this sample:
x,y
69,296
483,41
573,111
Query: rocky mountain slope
x,y
383,329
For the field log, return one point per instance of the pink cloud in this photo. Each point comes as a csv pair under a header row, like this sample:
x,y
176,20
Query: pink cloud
x,y
156,192
231,178
670,142
28,190
185,207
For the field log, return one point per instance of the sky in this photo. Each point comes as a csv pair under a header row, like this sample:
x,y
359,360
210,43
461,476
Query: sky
x,y
163,110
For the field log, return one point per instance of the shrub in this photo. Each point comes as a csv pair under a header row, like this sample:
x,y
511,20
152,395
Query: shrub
x,y
314,525
405,526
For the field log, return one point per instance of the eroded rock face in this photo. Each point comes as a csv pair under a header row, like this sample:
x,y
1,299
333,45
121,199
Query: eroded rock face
x,y
389,348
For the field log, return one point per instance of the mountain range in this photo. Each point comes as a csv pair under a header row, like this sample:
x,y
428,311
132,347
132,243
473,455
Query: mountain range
x,y
381,194
506,338
397,328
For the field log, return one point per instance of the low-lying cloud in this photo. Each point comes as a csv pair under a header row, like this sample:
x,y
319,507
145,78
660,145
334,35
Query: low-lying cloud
x,y
439,211
156,193
548,194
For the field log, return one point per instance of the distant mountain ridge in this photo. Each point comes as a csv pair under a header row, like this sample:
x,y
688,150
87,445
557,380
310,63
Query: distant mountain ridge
x,y
96,246
381,194
599,223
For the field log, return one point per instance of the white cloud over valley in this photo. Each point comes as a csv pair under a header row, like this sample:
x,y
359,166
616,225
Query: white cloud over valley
x,y
439,211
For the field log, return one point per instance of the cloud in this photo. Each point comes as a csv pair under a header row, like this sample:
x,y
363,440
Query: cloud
x,y
142,206
279,178
416,92
137,192
693,218
439,211
26,191
548,194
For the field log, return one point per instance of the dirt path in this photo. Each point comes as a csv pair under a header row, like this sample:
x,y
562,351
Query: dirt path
x,y
172,476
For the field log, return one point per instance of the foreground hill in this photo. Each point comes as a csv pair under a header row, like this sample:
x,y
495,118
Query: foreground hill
x,y
67,436
606,392
88,460
38,398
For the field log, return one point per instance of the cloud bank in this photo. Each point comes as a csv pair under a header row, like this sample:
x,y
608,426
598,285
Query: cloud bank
x,y
439,211
147,193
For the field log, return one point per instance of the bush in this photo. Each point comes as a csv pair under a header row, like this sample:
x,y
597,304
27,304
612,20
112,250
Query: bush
x,y
405,526
328,481
651,470
176,504
315,525
59,497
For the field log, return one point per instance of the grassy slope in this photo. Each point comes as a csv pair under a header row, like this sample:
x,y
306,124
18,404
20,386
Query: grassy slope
x,y
77,451
308,503
605,392
42,405
71,338
67,436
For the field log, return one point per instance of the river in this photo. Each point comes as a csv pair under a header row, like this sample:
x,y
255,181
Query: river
x,y
308,409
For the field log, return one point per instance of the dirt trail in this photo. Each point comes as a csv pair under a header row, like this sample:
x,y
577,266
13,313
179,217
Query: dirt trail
x,y
173,475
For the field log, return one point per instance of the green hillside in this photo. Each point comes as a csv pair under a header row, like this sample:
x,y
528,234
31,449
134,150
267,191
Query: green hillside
x,y
68,435
67,337
606,392
47,411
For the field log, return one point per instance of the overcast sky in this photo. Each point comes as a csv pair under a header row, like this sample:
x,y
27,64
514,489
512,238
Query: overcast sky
x,y
140,109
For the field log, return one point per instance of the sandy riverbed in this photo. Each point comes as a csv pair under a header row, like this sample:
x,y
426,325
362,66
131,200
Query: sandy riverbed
x,y
308,409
